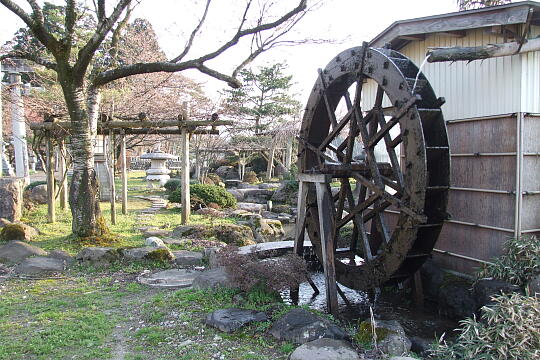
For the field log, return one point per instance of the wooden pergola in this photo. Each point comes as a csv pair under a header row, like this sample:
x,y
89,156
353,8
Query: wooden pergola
x,y
112,127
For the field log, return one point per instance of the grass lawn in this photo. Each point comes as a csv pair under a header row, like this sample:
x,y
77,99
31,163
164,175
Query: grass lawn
x,y
107,315
58,235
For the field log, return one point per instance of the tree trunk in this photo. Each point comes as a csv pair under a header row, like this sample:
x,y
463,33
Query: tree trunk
x,y
84,191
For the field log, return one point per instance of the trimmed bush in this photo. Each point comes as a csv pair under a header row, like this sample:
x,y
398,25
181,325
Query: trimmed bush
x,y
206,194
172,185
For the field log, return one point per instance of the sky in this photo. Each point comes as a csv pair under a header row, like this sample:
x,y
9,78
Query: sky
x,y
347,22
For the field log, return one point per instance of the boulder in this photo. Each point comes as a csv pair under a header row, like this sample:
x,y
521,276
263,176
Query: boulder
x,y
11,193
16,251
62,255
187,258
98,255
391,338
213,279
484,289
534,285
325,349
287,193
250,207
455,298
227,172
231,234
40,265
266,230
239,195
148,253
18,231
38,194
301,326
230,320
154,242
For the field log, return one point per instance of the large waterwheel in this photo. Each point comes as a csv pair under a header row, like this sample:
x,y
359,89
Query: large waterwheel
x,y
374,126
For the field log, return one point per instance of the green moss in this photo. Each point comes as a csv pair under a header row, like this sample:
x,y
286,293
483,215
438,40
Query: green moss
x,y
12,232
364,335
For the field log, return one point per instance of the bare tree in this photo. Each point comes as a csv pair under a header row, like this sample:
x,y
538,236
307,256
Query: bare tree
x,y
81,82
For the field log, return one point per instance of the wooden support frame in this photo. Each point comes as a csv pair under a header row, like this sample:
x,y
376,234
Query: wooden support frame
x,y
327,228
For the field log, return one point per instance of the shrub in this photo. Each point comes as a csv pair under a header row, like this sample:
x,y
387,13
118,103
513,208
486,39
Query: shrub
x,y
214,194
519,263
172,185
509,329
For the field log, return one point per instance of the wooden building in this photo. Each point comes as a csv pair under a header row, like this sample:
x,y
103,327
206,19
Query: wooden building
x,y
492,113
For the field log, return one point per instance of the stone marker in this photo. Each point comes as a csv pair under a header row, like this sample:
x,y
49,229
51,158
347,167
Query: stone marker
x,y
40,265
16,251
174,278
230,320
301,326
325,349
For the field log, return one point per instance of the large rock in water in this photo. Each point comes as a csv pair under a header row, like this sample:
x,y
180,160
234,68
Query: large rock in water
x,y
40,265
301,326
325,349
391,338
11,195
38,194
230,320
16,251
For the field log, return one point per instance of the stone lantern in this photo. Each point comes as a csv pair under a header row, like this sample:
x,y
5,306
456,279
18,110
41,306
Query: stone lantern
x,y
158,173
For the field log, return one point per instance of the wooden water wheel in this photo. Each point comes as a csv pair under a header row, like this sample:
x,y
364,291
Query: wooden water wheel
x,y
374,129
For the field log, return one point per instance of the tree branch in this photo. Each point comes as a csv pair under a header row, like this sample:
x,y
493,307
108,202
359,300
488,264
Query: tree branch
x,y
104,26
193,34
36,59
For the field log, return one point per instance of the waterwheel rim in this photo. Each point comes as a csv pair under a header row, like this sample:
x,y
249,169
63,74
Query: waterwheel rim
x,y
400,205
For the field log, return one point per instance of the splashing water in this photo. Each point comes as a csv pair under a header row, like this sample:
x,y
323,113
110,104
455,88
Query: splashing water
x,y
420,71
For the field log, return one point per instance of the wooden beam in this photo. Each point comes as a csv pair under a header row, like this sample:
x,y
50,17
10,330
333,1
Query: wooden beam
x,y
482,52
124,173
51,206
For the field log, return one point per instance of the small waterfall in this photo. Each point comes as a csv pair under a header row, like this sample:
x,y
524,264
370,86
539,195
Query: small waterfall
x,y
419,71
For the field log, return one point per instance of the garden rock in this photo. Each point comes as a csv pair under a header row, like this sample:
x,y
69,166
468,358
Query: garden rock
x,y
325,349
148,253
251,207
38,194
484,289
230,320
18,231
301,326
154,242
187,258
98,255
11,193
455,299
239,195
227,172
62,255
40,265
391,338
534,285
16,251
266,230
173,278
213,279
237,235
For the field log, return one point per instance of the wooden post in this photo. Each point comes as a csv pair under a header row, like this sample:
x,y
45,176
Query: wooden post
x,y
184,177
271,162
51,206
111,176
63,176
124,172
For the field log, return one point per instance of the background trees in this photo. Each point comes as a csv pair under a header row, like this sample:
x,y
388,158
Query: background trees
x,y
73,43
264,99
